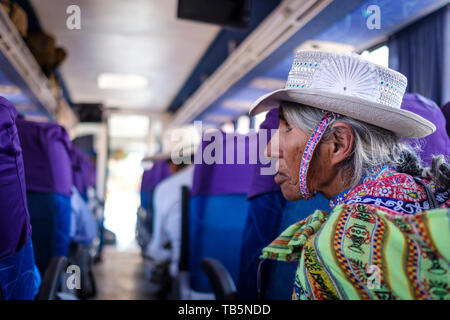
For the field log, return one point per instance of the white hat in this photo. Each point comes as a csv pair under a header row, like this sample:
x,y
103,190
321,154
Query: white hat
x,y
157,157
346,84
179,154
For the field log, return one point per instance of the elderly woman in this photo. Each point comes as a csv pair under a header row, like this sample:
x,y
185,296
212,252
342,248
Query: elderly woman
x,y
340,132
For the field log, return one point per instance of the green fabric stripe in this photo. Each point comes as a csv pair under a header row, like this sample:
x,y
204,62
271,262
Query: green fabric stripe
x,y
395,254
393,246
439,222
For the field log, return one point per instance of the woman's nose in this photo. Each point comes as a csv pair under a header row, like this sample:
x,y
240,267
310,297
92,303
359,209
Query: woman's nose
x,y
273,147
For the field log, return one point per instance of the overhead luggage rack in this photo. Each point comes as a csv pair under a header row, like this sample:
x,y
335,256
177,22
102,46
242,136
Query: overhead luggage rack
x,y
279,26
21,60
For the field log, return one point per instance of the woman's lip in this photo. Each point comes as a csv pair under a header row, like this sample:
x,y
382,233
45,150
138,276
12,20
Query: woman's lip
x,y
280,178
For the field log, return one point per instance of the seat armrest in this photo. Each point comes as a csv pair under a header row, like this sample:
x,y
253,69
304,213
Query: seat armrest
x,y
51,280
220,279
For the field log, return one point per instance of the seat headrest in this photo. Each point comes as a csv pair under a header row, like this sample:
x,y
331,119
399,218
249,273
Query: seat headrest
x,y
92,175
8,114
82,170
153,176
264,183
221,179
446,111
437,142
15,229
46,153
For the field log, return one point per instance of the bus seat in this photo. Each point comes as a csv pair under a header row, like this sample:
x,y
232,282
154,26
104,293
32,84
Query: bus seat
x,y
437,142
278,284
218,212
84,181
150,178
48,173
84,226
263,221
264,218
19,277
80,170
146,196
446,111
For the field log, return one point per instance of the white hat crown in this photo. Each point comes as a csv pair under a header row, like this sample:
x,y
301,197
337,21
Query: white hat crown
x,y
347,74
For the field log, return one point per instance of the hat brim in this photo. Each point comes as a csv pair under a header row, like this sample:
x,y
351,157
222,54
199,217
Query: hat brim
x,y
187,152
401,122
158,157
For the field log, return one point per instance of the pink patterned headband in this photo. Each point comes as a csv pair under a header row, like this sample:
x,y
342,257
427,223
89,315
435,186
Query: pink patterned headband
x,y
311,145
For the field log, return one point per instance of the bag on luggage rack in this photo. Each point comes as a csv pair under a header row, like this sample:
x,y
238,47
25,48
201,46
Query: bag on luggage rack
x,y
43,47
17,15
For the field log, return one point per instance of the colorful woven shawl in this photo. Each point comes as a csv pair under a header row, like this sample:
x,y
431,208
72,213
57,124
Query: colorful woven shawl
x,y
366,249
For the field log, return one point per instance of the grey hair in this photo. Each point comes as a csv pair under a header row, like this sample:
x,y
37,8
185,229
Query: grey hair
x,y
373,146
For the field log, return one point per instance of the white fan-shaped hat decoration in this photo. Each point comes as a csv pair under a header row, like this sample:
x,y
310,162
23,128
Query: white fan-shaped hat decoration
x,y
345,76
346,84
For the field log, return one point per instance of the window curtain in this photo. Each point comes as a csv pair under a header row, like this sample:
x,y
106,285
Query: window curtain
x,y
420,52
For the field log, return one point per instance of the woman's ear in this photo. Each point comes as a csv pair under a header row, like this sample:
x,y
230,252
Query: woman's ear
x,y
341,139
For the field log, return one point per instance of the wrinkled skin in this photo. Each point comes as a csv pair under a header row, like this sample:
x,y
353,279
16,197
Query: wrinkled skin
x,y
324,175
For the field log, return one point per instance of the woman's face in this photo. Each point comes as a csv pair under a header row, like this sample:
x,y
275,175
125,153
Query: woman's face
x,y
291,142
287,146
322,171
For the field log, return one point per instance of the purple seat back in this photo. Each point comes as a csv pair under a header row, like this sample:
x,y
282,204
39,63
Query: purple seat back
x,y
264,183
92,175
86,169
81,168
222,179
157,173
46,154
15,229
446,111
436,143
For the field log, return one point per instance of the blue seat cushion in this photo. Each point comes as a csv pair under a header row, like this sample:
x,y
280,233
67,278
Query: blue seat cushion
x,y
145,199
147,204
50,217
263,223
19,277
216,228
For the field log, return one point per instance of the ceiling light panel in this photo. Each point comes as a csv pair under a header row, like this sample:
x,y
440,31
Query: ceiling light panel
x,y
117,81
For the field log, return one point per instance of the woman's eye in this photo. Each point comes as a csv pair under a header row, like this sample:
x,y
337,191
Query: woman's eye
x,y
288,128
